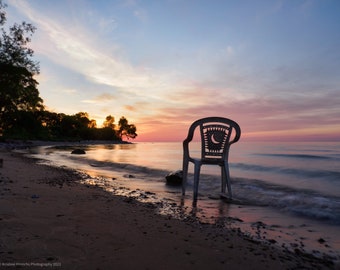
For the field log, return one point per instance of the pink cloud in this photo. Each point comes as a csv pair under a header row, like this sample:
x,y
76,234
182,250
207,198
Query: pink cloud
x,y
308,117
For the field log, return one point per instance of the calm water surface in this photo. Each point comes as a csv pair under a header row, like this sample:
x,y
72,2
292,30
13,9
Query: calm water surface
x,y
301,178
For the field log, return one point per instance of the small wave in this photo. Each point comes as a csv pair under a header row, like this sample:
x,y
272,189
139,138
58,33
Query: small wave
x,y
327,174
299,202
123,167
300,156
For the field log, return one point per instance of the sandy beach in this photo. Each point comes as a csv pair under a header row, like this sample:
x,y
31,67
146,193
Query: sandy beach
x,y
48,219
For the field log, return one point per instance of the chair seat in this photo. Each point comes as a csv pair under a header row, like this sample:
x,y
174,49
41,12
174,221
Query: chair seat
x,y
211,161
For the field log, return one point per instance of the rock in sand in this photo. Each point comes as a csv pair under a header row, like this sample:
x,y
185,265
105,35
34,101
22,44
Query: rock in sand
x,y
78,152
174,178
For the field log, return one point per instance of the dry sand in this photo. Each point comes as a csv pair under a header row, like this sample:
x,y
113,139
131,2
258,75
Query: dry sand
x,y
49,220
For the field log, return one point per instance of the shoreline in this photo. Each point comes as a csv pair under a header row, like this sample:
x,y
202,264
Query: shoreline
x,y
20,144
258,222
77,223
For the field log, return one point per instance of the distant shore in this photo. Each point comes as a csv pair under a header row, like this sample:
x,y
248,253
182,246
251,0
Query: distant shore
x,y
49,218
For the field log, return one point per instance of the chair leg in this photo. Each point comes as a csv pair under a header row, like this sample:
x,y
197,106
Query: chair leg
x,y
196,179
224,179
185,176
227,179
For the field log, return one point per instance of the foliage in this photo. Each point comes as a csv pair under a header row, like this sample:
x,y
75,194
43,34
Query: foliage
x,y
126,129
22,114
109,122
45,125
18,88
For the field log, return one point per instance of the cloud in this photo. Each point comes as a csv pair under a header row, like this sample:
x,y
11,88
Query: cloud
x,y
259,116
90,101
73,49
69,91
105,97
100,99
130,108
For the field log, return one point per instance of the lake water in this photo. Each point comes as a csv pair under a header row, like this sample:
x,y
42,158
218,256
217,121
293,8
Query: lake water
x,y
287,185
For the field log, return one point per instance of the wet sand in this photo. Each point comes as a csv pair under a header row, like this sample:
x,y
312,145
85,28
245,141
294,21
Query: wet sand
x,y
48,219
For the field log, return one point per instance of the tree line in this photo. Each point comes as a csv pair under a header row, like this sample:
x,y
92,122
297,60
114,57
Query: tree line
x,y
22,112
45,125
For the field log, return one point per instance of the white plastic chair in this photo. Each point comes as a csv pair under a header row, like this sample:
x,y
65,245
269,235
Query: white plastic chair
x,y
217,134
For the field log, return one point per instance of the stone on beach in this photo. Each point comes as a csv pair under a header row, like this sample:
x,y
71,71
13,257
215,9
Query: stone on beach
x,y
78,152
174,178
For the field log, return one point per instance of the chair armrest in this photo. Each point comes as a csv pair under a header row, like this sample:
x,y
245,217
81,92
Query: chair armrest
x,y
189,137
237,135
186,147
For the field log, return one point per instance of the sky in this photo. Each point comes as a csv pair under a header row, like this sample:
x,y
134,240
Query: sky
x,y
273,66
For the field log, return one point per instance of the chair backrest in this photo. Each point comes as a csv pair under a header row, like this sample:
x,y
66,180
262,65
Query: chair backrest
x,y
216,136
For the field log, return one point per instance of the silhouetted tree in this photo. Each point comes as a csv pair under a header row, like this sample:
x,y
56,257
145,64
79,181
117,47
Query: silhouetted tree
x,y
84,125
51,123
126,129
109,122
26,126
107,134
18,88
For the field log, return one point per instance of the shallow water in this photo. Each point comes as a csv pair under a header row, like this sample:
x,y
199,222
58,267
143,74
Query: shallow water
x,y
300,178
286,192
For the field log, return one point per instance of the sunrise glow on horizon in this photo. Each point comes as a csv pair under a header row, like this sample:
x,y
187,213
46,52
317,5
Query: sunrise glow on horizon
x,y
271,66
